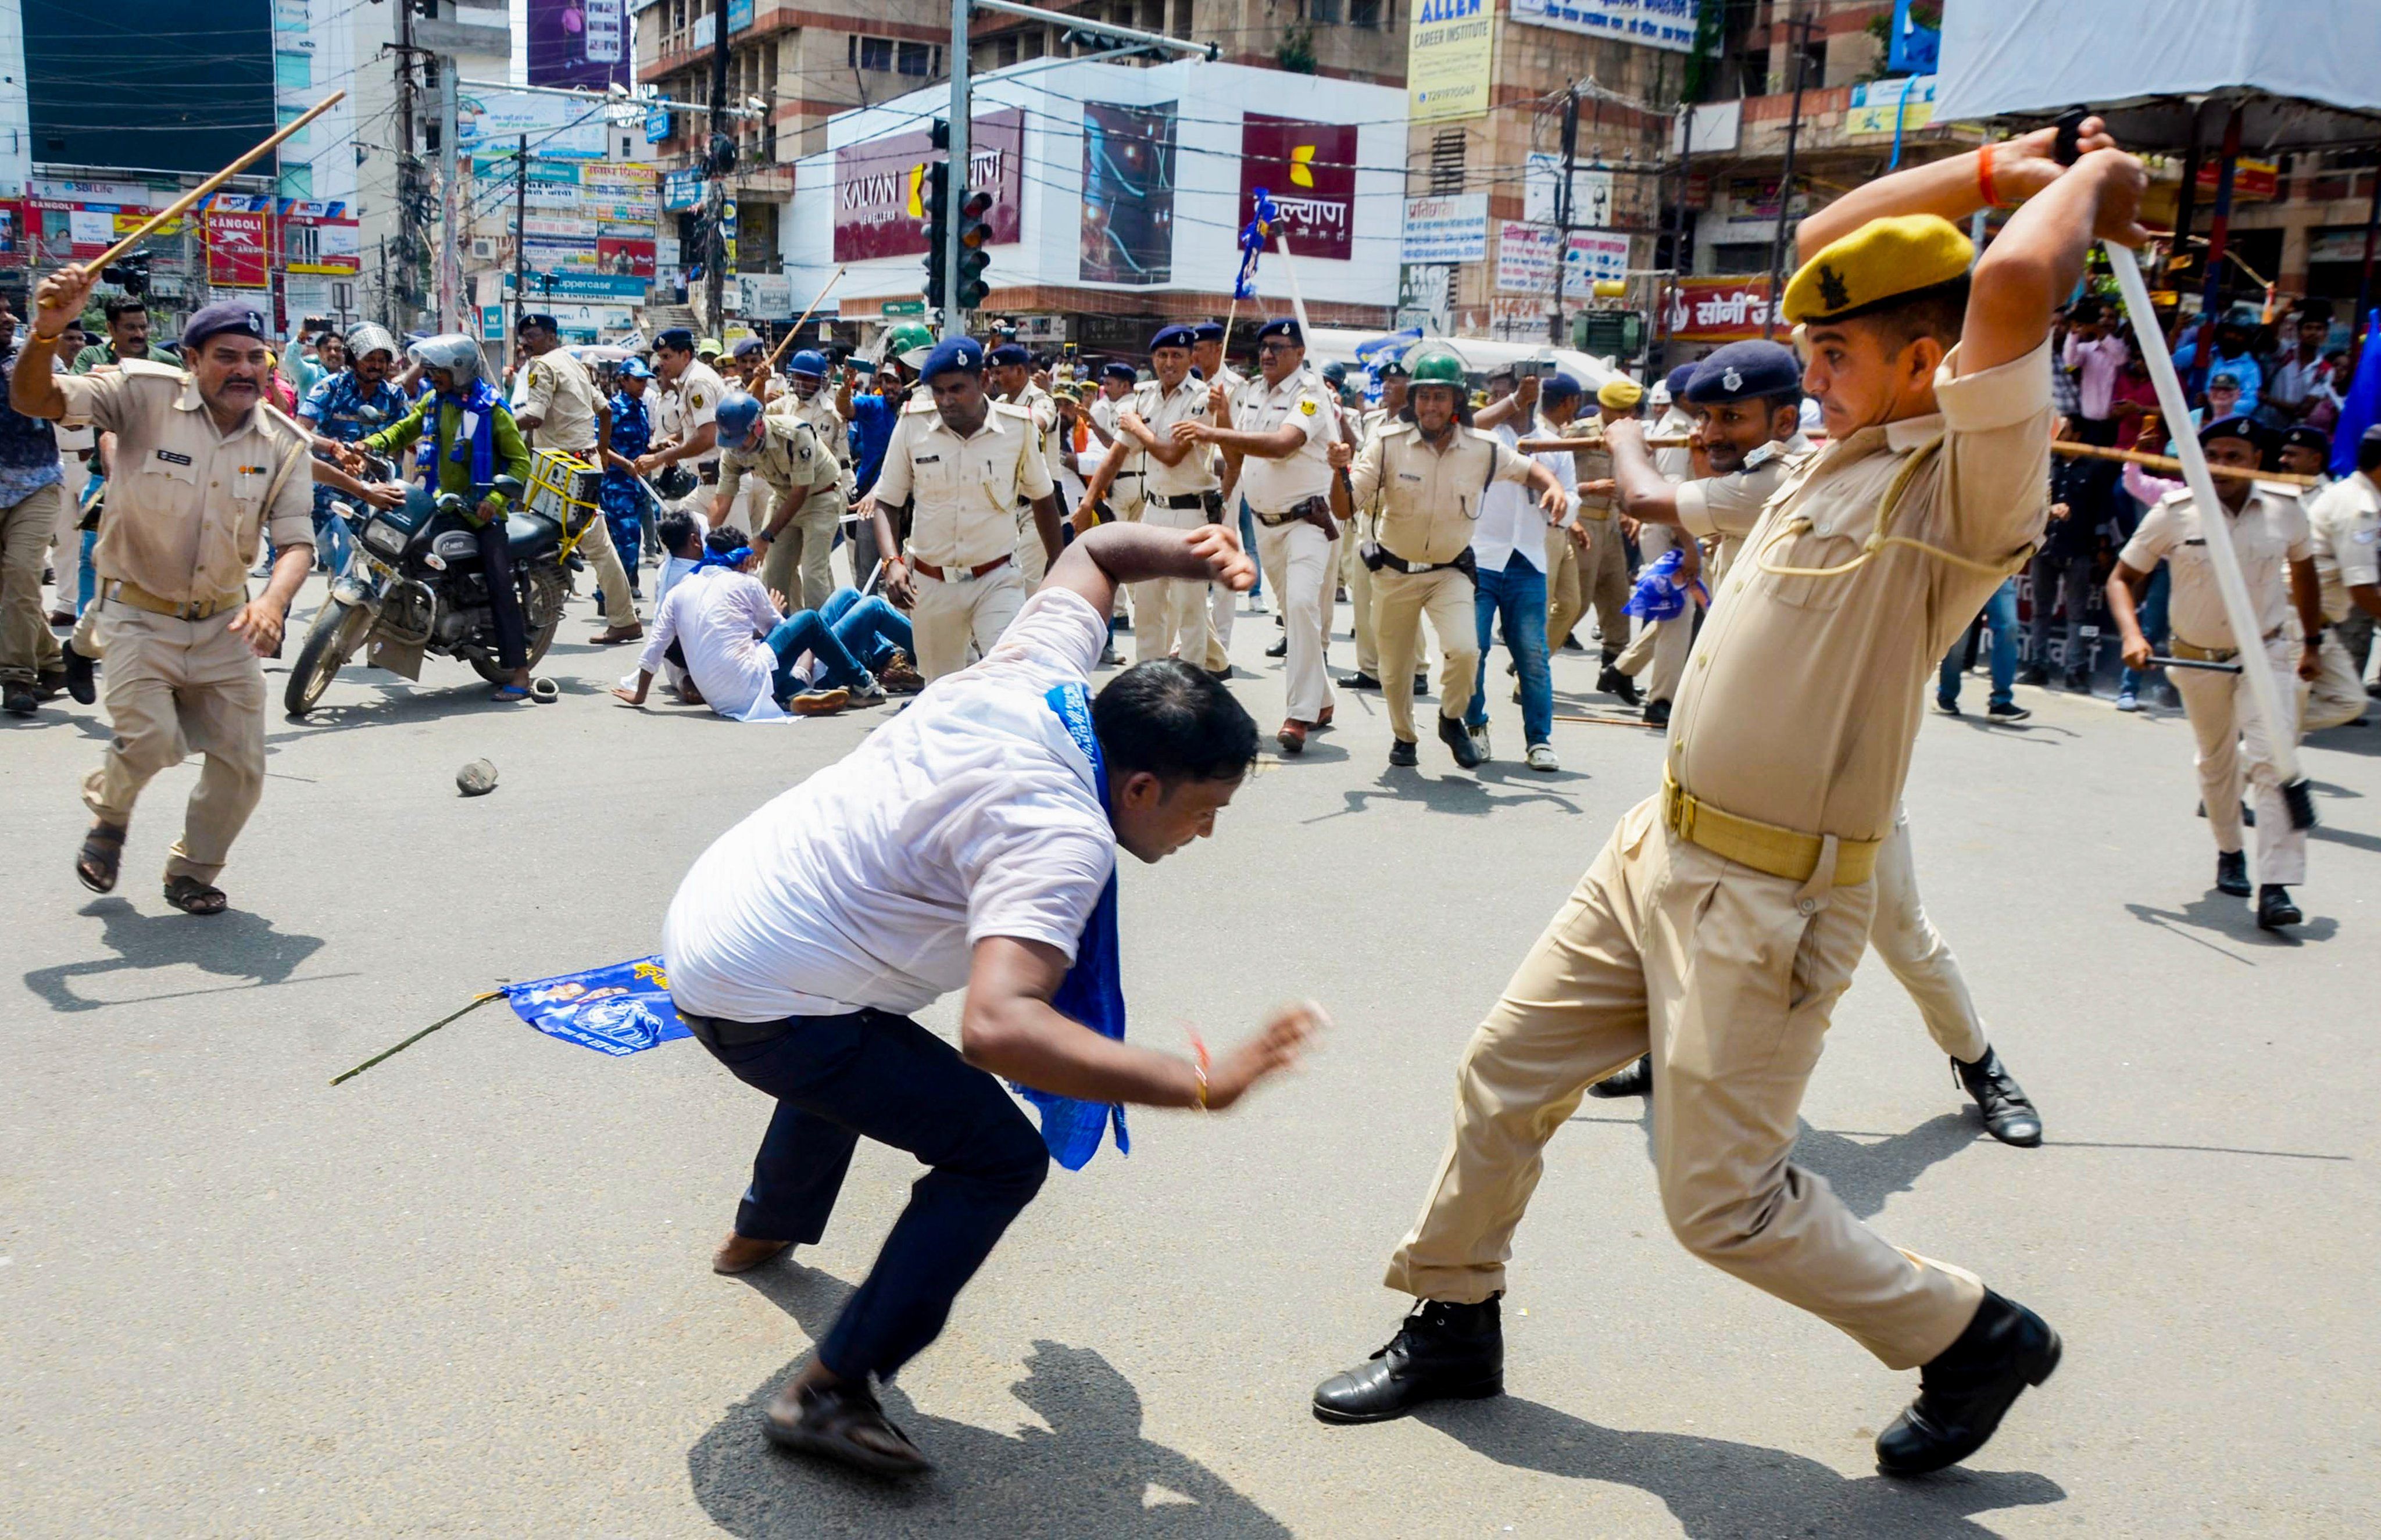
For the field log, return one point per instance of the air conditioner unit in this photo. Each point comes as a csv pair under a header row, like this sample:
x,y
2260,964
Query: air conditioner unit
x,y
483,248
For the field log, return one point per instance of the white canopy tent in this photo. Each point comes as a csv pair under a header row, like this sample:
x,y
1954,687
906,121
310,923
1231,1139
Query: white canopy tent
x,y
2307,73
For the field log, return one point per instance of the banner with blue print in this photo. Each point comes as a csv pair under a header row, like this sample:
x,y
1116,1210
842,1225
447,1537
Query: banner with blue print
x,y
619,1008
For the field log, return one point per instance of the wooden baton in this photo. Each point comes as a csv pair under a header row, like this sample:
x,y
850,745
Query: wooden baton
x,y
779,351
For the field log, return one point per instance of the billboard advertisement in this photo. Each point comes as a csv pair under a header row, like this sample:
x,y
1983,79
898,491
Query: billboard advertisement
x,y
1718,310
1652,23
1446,229
1450,47
1127,194
624,256
1525,257
579,43
1310,169
878,183
492,124
319,238
239,251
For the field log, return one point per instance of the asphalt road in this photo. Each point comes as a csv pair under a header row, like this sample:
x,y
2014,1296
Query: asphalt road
x,y
467,1293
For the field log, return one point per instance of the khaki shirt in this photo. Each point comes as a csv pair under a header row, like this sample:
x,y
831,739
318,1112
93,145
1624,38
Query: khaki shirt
x,y
790,460
2268,533
1801,701
834,434
1726,507
1429,495
965,490
692,401
1043,408
1676,464
1301,401
562,397
1160,409
187,503
2345,518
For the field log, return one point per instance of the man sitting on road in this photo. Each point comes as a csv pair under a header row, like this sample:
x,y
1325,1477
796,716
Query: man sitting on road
x,y
741,654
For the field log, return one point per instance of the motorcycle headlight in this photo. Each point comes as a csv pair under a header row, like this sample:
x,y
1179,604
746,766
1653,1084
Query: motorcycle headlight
x,y
385,540
454,545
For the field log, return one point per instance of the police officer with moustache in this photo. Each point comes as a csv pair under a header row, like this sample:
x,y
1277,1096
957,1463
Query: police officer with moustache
x,y
1126,466
563,411
1177,489
1726,915
1010,379
2269,533
1283,426
1395,380
806,396
203,469
803,484
957,466
691,395
1224,384
1429,476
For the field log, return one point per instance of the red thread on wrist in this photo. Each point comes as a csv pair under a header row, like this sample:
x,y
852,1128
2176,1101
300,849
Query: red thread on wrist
x,y
1984,178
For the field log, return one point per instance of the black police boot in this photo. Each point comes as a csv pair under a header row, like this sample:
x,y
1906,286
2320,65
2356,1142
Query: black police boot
x,y
1637,1080
2008,1116
1657,713
1459,743
1963,1394
80,671
18,700
1358,681
1279,649
1401,754
1613,682
1442,1352
2232,872
2275,910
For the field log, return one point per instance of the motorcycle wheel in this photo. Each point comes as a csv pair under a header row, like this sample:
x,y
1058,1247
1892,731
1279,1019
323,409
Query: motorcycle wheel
x,y
338,630
541,609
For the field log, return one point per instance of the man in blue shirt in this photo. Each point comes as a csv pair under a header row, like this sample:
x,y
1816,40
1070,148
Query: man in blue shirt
x,y
341,409
2231,356
622,496
32,493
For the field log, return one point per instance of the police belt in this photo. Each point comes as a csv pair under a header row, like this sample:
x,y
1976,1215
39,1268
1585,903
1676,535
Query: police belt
x,y
129,592
1464,563
2176,648
1306,508
1187,500
955,575
1765,847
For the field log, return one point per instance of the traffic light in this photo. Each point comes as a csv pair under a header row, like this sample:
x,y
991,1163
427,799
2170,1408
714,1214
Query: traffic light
x,y
934,198
975,239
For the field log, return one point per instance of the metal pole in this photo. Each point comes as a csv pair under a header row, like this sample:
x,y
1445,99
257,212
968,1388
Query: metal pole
x,y
1563,210
1785,182
953,322
521,243
1679,262
412,240
715,257
453,209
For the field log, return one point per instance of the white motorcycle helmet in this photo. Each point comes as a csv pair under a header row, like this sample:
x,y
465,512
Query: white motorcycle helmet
x,y
452,351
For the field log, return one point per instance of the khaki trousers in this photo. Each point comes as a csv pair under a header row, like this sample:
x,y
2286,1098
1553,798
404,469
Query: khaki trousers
x,y
1359,579
28,646
174,687
1728,976
1603,584
596,549
1566,599
1399,601
2227,726
1918,955
1169,615
1657,653
2336,697
1297,558
947,617
1032,562
798,564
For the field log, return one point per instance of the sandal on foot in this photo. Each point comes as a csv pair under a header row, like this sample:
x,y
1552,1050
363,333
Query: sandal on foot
x,y
101,853
842,1422
194,897
506,695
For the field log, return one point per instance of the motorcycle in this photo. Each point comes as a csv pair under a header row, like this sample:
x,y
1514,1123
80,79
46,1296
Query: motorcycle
x,y
413,584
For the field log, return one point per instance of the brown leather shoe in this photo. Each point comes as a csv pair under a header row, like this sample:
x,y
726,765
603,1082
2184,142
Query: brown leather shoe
x,y
1325,719
819,703
1292,736
614,635
741,1254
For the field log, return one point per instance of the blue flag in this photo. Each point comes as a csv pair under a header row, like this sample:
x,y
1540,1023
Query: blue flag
x,y
619,1008
2360,407
1254,235
1914,48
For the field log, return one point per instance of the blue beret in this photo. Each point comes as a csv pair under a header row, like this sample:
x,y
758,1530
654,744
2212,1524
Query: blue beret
x,y
1744,370
1560,387
2304,437
1679,379
2233,428
1010,353
745,346
677,339
635,368
1336,371
223,315
1392,368
543,321
1123,372
1178,336
1207,330
964,355
1282,326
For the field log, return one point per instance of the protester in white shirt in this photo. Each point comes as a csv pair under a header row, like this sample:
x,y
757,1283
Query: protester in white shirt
x,y
970,842
741,655
1508,553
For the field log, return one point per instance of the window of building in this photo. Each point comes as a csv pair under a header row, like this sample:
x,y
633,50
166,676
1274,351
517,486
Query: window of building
x,y
915,58
1153,15
875,52
1367,13
1325,12
1447,148
1004,51
1181,19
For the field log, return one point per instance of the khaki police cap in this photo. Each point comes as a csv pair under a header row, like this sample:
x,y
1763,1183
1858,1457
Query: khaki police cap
x,y
1880,261
1618,395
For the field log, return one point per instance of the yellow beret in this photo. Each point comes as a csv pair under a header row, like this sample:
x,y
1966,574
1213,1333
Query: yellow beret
x,y
1879,260
1620,395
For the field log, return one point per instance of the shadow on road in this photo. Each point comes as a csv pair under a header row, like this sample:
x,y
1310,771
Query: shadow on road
x,y
1865,1171
1089,1473
1718,1489
234,944
2232,919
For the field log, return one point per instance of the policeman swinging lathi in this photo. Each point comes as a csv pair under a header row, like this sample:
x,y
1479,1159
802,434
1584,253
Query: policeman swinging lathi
x,y
1726,914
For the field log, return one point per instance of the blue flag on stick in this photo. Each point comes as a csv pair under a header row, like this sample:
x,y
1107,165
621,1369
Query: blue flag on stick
x,y
619,1008
2360,407
1254,235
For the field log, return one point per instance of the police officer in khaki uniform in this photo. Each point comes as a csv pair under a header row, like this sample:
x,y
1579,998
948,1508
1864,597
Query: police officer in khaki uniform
x,y
1395,380
1175,486
806,396
1009,377
1224,386
1277,447
687,417
563,410
1657,653
956,469
2337,697
2269,533
203,466
803,484
1428,477
2345,519
1724,917
1604,565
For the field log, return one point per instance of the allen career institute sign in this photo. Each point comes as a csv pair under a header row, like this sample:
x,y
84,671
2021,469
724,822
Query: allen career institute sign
x,y
878,184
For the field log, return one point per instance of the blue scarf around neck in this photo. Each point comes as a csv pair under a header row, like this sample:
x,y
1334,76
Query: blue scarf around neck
x,y
475,434
1092,991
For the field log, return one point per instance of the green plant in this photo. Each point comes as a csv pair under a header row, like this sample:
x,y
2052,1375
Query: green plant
x,y
1295,52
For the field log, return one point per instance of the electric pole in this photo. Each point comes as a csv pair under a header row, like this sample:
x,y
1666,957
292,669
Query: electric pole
x,y
954,315
413,189
722,152
1563,210
520,231
1798,30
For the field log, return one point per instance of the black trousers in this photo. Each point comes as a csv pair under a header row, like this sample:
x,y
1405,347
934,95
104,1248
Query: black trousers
x,y
504,595
885,1077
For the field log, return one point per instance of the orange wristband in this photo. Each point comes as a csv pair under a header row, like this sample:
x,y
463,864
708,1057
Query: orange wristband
x,y
1984,178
